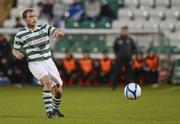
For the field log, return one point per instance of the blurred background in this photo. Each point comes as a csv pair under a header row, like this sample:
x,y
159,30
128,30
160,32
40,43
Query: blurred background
x,y
91,27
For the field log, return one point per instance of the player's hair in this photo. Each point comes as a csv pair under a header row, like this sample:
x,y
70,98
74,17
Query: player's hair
x,y
124,27
24,15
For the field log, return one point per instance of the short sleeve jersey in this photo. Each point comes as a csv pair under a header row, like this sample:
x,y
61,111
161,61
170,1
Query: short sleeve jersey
x,y
35,43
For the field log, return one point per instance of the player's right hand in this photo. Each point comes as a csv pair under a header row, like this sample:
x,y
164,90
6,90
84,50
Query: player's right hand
x,y
19,56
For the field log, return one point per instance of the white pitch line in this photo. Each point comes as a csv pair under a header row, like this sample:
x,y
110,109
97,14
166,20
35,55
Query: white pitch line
x,y
171,89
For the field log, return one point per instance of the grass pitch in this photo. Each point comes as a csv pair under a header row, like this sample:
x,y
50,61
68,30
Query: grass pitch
x,y
94,105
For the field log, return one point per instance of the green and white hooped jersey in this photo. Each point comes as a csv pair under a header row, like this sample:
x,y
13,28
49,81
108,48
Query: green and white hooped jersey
x,y
35,43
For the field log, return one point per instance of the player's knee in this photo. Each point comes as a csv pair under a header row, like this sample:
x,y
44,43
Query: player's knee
x,y
46,80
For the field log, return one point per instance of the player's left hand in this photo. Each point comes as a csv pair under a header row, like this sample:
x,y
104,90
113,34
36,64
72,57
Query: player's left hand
x,y
58,33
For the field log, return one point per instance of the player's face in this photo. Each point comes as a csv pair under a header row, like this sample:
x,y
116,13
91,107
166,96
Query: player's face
x,y
31,19
125,32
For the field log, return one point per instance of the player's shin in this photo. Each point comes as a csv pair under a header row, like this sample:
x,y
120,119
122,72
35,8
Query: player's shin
x,y
47,99
57,101
47,96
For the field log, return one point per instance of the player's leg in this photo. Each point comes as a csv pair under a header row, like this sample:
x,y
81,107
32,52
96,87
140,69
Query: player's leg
x,y
47,95
57,98
41,74
56,87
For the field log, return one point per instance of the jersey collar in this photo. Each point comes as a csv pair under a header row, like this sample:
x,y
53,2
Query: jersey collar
x,y
28,29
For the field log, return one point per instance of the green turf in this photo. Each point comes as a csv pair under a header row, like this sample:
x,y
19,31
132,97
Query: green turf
x,y
92,106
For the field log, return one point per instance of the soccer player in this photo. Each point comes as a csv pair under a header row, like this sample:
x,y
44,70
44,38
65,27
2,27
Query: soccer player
x,y
34,41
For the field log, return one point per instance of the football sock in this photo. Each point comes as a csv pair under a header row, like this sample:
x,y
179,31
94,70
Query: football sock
x,y
47,99
56,102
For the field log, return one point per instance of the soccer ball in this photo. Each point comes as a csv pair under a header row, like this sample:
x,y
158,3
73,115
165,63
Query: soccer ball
x,y
132,91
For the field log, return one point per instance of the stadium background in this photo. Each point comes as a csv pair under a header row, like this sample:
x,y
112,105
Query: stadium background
x,y
153,24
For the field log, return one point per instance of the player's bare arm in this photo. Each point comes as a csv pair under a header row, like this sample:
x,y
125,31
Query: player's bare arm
x,y
57,33
17,54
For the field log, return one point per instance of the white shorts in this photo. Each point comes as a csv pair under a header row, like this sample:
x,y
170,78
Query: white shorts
x,y
45,67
